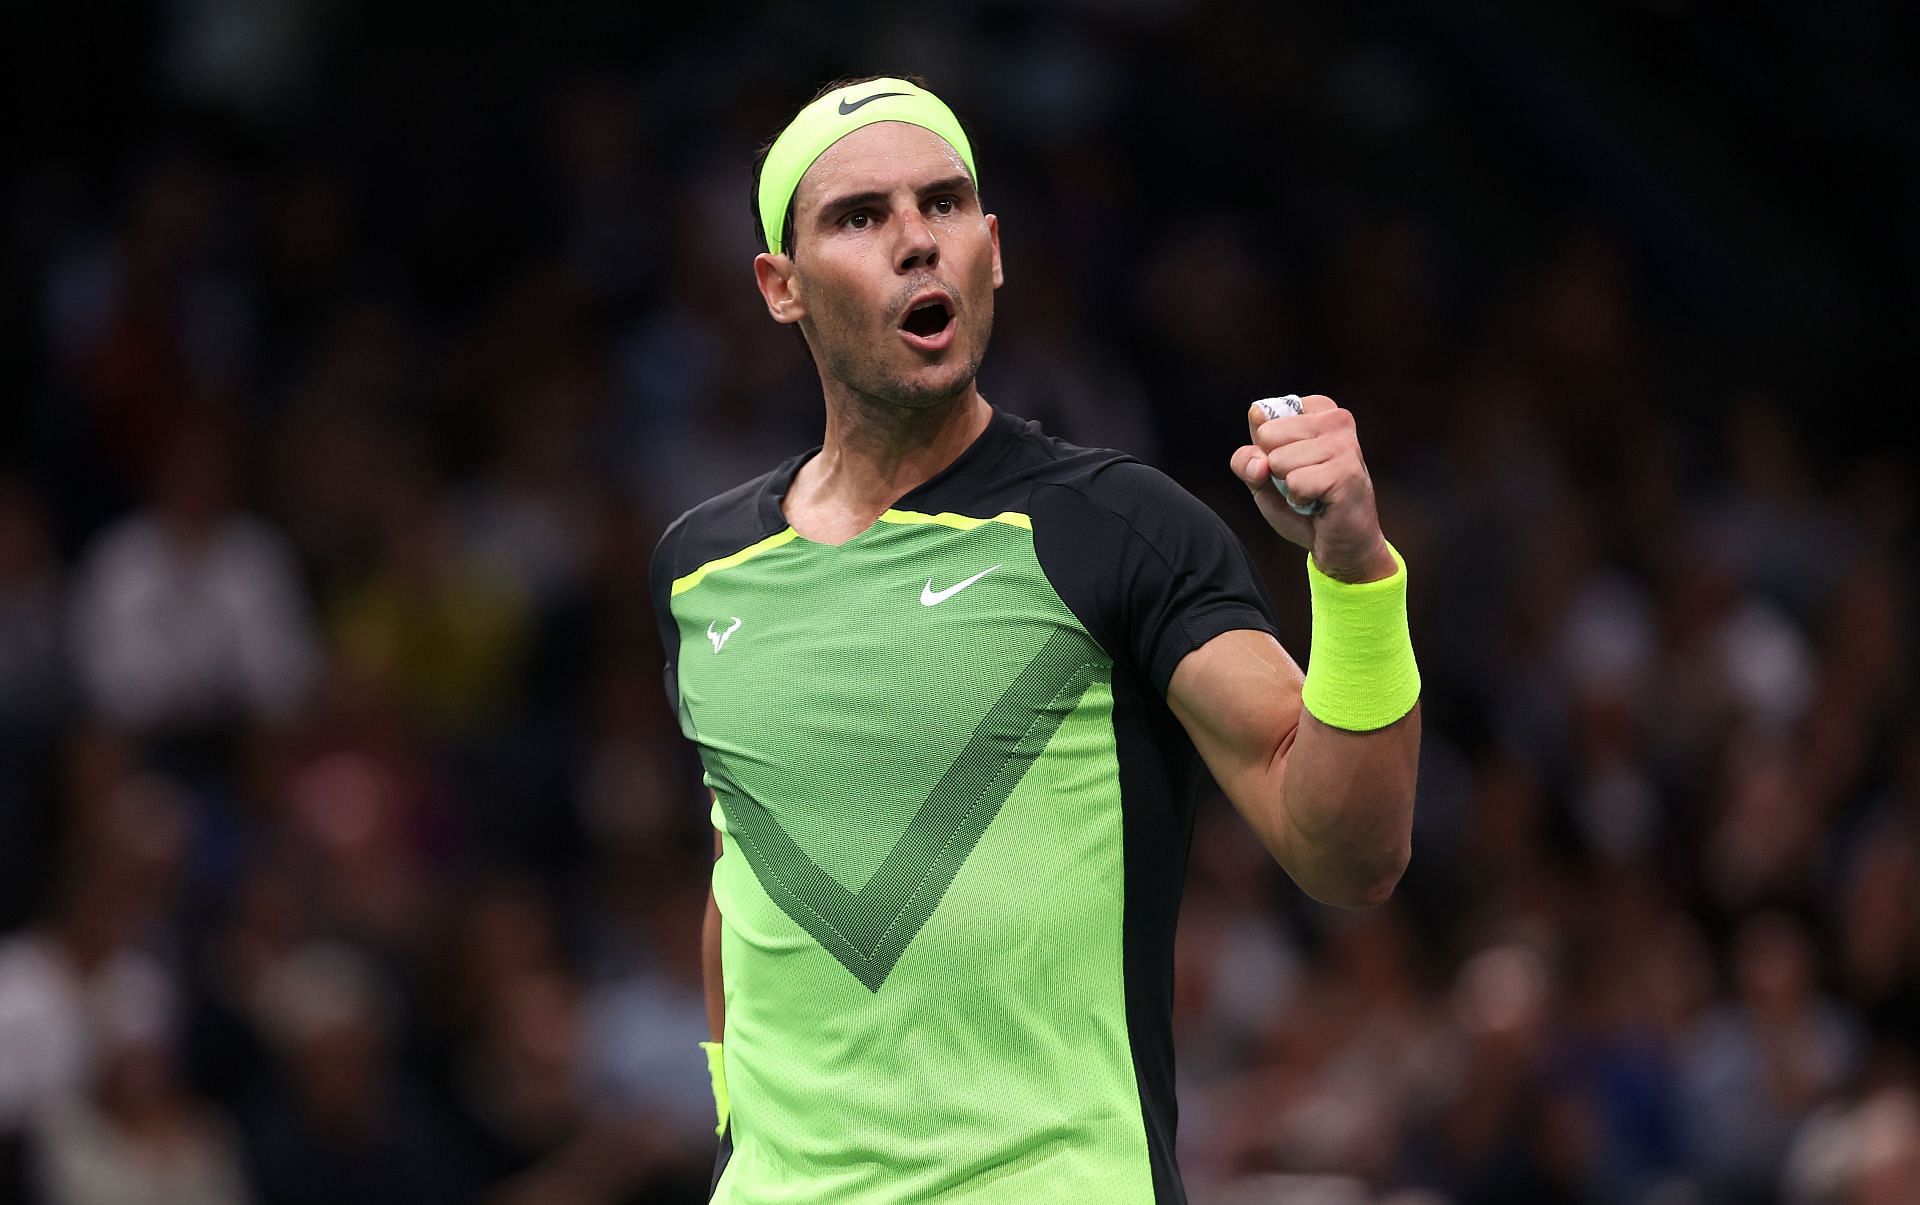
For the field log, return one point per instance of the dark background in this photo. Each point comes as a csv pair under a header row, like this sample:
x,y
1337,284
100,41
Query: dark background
x,y
354,354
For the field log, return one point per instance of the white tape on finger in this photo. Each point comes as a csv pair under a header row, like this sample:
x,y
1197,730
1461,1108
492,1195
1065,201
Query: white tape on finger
x,y
1281,407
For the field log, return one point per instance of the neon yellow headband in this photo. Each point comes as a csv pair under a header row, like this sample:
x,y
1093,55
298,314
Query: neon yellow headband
x,y
834,116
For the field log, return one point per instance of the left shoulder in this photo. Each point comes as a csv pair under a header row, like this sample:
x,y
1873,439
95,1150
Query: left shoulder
x,y
1144,500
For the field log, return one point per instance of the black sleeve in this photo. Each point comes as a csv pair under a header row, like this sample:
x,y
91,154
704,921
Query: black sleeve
x,y
1147,567
660,575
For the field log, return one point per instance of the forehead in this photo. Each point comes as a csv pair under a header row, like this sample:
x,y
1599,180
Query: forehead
x,y
878,158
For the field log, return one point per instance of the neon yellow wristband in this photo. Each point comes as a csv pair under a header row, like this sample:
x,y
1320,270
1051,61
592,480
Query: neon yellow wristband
x,y
717,1071
1361,674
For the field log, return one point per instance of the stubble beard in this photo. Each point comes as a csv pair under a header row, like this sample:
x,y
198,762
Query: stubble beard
x,y
860,366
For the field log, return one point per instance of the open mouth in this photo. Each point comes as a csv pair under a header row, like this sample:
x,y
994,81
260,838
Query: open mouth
x,y
927,319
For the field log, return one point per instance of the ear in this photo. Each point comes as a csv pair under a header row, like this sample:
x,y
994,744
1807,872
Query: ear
x,y
780,289
993,232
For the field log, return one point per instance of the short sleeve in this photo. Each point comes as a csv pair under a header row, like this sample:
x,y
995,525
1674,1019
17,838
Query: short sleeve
x,y
1150,570
660,575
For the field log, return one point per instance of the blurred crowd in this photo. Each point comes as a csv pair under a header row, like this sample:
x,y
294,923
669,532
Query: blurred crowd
x,y
349,850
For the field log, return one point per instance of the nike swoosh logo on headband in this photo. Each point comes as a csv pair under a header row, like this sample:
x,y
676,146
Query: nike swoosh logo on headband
x,y
847,107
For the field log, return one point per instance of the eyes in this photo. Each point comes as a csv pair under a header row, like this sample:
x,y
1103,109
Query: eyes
x,y
863,219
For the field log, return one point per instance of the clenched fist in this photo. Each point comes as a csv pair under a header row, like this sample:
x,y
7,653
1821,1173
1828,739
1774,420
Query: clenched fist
x,y
1317,454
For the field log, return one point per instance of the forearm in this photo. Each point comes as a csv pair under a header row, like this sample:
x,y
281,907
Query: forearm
x,y
1325,771
716,1010
1346,820
710,971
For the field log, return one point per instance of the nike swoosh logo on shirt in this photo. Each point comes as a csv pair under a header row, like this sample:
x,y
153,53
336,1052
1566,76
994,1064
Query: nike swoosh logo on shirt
x,y
847,107
929,597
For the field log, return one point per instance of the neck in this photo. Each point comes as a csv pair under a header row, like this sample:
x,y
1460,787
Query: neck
x,y
874,453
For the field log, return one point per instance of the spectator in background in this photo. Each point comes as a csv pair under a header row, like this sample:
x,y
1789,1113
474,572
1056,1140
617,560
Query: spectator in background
x,y
147,327
1497,1132
1754,1067
436,628
645,1004
551,1110
33,689
188,615
1865,1153
135,1136
36,695
63,975
343,1121
1342,1064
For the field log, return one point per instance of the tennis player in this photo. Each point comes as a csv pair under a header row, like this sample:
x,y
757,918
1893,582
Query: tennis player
x,y
952,681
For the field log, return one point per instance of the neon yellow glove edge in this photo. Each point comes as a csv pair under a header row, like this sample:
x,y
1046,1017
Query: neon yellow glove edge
x,y
717,1071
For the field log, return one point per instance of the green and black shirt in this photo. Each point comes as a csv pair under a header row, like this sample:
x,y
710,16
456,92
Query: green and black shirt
x,y
955,813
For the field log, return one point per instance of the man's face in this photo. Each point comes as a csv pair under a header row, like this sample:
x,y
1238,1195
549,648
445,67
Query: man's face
x,y
893,268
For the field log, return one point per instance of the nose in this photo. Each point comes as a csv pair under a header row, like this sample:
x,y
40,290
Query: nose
x,y
917,247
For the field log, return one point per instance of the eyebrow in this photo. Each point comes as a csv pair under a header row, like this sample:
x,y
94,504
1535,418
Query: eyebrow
x,y
956,183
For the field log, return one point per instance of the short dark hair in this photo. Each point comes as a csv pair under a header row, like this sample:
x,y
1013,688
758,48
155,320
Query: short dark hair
x,y
760,156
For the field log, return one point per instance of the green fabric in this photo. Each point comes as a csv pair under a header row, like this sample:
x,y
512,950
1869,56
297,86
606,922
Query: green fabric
x,y
869,929
1361,673
921,883
828,120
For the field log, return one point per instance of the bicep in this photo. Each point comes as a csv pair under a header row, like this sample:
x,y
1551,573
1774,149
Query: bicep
x,y
1238,696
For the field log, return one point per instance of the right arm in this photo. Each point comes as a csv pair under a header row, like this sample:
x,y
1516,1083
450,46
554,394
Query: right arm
x,y
710,960
716,1005
661,574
